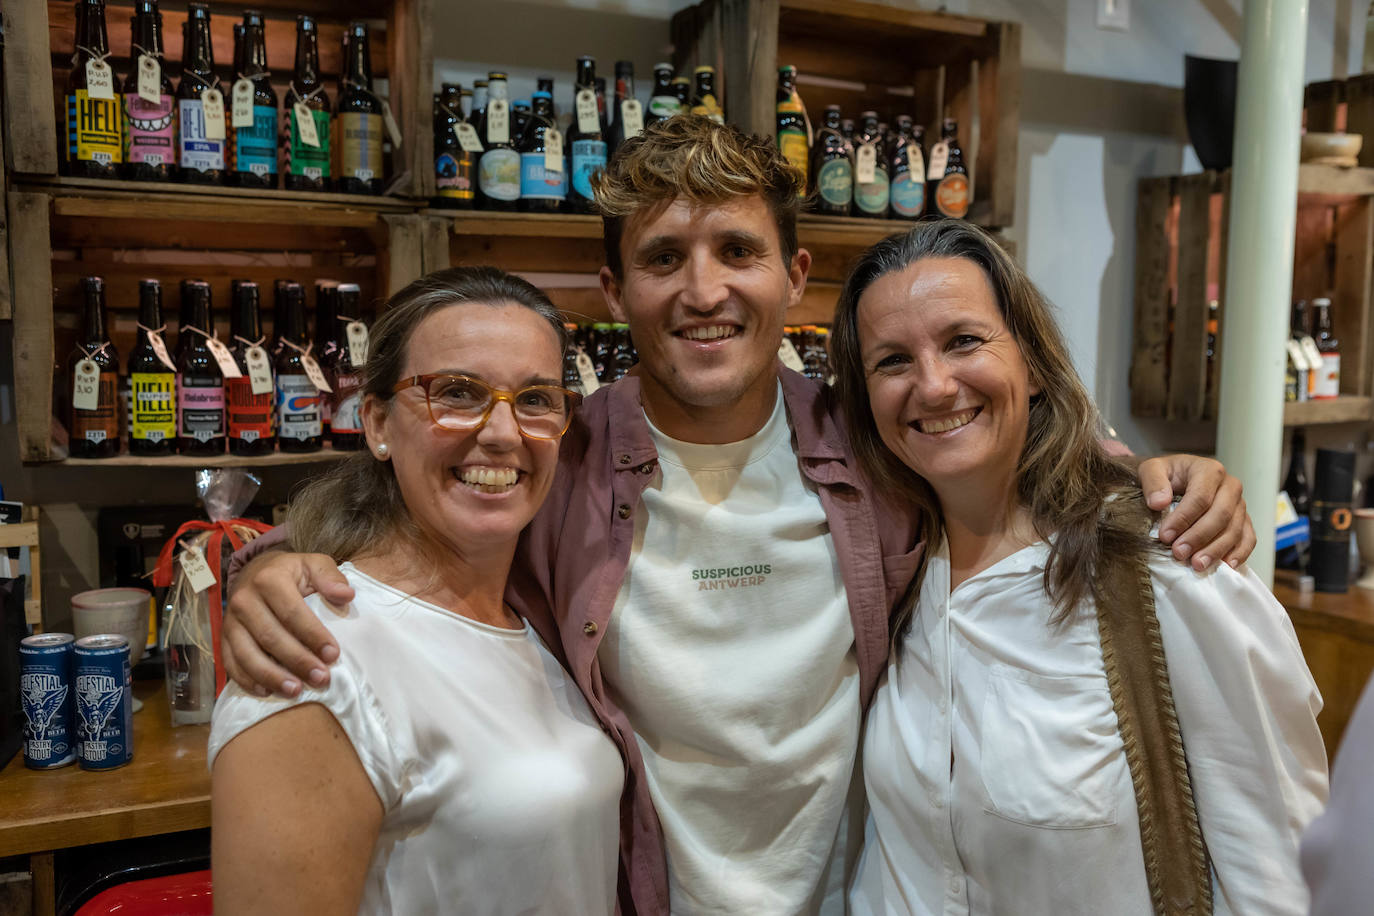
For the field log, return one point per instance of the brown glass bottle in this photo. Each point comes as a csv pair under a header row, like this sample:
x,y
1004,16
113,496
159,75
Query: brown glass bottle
x,y
624,92
871,198
299,425
950,192
249,416
150,128
94,432
253,159
326,313
498,170
832,167
200,383
358,119
906,161
200,158
94,145
152,384
306,167
455,169
345,414
541,190
586,144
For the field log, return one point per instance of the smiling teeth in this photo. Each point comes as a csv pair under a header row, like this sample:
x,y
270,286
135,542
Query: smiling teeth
x,y
714,332
947,423
489,480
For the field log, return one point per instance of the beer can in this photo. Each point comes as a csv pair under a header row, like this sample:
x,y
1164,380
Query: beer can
x,y
104,707
45,685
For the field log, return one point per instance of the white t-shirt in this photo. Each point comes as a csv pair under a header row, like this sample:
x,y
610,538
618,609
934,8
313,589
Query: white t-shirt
x,y
731,651
995,772
499,789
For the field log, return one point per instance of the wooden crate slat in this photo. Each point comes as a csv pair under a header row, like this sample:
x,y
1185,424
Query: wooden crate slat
x,y
1359,113
1001,105
214,211
1214,387
1354,236
30,115
435,232
568,255
1322,101
749,30
1149,384
834,15
405,261
1188,347
411,82
33,328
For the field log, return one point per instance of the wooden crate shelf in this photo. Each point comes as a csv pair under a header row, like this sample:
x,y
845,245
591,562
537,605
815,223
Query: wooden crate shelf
x,y
1348,408
276,459
141,192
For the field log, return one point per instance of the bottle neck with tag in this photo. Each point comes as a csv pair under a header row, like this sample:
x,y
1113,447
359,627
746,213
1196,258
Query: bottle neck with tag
x,y
245,321
92,39
347,308
196,314
198,58
149,309
254,63
147,28
93,312
358,70
326,313
307,66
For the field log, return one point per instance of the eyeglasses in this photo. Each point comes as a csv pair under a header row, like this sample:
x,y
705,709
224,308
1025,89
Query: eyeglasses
x,y
463,402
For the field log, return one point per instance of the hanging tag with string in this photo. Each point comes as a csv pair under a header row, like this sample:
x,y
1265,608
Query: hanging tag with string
x,y
553,150
468,139
99,77
259,368
241,111
149,78
389,121
312,368
588,115
212,107
866,164
631,118
220,352
86,383
358,341
195,567
159,345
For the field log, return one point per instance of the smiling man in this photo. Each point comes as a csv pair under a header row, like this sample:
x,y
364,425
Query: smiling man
x,y
737,705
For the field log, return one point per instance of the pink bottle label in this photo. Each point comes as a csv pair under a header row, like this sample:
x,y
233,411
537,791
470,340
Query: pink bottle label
x,y
151,130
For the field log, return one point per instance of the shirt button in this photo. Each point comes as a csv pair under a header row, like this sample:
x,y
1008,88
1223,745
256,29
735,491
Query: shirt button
x,y
624,459
589,628
955,886
623,511
646,468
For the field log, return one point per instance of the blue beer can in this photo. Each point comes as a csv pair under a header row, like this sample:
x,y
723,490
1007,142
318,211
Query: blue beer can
x,y
45,684
104,706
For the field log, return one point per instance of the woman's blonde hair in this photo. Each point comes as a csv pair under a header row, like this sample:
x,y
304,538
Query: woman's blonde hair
x,y
357,505
1089,502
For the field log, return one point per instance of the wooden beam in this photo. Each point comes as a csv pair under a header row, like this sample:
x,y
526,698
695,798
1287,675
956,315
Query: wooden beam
x,y
411,53
1001,104
1188,346
1149,384
30,112
33,330
1359,113
877,15
1354,326
435,233
749,30
404,261
1224,244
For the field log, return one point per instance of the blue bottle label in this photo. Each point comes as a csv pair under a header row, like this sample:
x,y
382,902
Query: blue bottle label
x,y
872,197
537,182
588,157
257,145
198,152
908,195
835,182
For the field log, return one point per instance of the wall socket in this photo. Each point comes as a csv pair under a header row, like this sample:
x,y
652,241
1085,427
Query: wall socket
x,y
1114,15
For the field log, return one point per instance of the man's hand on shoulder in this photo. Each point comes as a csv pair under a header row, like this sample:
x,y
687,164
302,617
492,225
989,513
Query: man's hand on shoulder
x,y
1210,523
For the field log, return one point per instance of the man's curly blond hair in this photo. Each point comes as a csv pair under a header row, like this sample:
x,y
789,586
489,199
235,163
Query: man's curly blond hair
x,y
692,158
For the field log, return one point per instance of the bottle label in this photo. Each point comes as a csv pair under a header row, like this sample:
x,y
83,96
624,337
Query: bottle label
x,y
360,145
873,196
951,197
499,174
93,129
708,106
865,164
304,159
200,407
198,151
453,178
835,182
298,408
588,157
792,145
250,415
152,411
1326,380
908,194
100,422
348,405
150,129
256,149
537,182
664,106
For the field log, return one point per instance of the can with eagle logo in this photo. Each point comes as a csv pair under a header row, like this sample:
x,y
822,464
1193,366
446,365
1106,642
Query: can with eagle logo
x,y
104,705
45,686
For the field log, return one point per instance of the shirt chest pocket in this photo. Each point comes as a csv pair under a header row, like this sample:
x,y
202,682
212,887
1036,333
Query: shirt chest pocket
x,y
1051,752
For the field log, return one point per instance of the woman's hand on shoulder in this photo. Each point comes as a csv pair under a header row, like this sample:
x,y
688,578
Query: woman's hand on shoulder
x,y
1210,523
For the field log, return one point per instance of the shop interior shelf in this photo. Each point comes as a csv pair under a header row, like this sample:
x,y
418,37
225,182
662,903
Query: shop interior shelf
x,y
275,459
1348,408
149,194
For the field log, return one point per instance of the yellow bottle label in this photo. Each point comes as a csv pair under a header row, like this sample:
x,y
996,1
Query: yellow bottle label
x,y
792,145
152,409
94,131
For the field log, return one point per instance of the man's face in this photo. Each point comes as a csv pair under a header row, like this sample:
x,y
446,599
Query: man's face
x,y
704,291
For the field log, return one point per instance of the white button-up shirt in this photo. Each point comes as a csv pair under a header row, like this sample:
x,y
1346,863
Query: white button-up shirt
x,y
995,772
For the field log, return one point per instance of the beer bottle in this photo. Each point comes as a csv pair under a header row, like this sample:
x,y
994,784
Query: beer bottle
x,y
545,84
847,128
253,148
794,141
93,369
586,143
1326,379
624,93
704,100
279,296
454,167
603,350
542,190
464,110
322,350
908,171
249,414
150,128
950,191
682,88
299,426
359,119
498,171
345,376
95,142
663,103
870,170
479,105
832,166
152,382
622,352
202,146
520,112
200,383
306,165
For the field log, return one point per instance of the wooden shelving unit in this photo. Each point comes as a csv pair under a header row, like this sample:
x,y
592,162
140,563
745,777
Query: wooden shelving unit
x,y
1347,408
276,459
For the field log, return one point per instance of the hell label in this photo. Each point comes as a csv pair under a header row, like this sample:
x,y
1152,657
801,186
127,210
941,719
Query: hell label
x,y
789,356
149,79
86,386
939,158
586,372
313,371
468,139
99,80
588,117
631,118
553,150
914,159
305,125
866,164
241,103
212,100
357,342
389,121
498,122
160,350
259,370
225,359
196,569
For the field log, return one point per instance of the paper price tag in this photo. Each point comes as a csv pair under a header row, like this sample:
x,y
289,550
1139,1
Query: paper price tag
x,y
588,117
389,120
305,125
357,343
227,366
259,370
866,164
196,569
468,139
631,118
86,386
212,100
1309,349
1297,356
939,158
586,372
99,80
553,150
789,356
915,160
149,79
241,103
498,122
160,350
313,370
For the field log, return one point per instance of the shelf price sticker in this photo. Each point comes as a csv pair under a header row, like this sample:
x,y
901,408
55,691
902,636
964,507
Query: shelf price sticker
x,y
389,121
631,118
866,164
241,103
498,122
196,569
553,150
99,80
305,125
588,116
468,139
790,357
149,79
313,371
259,370
357,342
914,159
227,366
939,158
212,101
586,372
86,386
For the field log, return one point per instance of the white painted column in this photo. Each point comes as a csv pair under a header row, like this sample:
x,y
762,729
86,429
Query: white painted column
x,y
1259,270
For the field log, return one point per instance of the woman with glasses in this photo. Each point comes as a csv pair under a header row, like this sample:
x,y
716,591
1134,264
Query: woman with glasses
x,y
450,765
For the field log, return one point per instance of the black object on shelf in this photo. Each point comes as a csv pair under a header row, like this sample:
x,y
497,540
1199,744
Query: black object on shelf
x,y
1209,106
1332,494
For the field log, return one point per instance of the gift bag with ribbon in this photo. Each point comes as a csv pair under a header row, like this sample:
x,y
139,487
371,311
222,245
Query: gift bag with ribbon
x,y
192,563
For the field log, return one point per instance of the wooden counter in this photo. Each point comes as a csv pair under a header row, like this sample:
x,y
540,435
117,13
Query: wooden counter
x,y
1337,637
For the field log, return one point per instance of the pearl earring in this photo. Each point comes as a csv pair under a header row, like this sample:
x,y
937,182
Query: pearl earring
x,y
382,450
